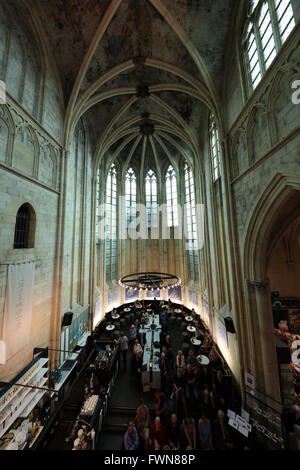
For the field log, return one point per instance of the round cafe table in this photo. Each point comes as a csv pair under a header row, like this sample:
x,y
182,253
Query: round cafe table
x,y
177,310
188,318
195,341
203,360
138,306
149,309
115,316
191,329
127,309
110,327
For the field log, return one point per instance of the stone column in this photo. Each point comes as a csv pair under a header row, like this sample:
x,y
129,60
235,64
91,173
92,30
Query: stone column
x,y
263,339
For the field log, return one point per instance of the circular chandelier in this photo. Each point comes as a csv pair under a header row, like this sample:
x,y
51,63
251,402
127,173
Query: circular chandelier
x,y
150,281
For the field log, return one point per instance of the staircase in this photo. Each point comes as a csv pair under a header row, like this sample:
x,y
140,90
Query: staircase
x,y
114,428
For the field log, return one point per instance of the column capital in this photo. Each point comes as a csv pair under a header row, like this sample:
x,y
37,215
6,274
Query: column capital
x,y
259,285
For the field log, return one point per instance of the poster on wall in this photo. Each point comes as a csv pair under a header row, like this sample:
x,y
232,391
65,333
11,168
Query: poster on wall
x,y
250,380
131,295
193,298
153,293
18,307
175,293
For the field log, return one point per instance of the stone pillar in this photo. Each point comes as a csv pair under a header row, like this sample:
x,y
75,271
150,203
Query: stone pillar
x,y
60,275
263,339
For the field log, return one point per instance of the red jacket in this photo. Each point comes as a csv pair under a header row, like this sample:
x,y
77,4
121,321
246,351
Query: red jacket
x,y
160,436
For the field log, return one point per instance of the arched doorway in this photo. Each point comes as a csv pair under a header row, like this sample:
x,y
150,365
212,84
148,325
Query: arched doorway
x,y
283,271
270,267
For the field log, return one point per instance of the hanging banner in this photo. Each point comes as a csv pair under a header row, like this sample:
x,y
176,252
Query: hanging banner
x,y
18,307
131,294
153,293
175,293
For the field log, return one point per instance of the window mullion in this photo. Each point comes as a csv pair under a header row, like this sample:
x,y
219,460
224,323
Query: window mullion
x,y
275,25
259,46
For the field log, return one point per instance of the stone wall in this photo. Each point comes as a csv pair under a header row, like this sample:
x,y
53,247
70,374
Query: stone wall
x,y
26,69
35,168
262,138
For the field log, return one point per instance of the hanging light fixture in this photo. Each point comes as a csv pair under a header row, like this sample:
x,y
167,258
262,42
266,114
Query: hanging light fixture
x,y
150,281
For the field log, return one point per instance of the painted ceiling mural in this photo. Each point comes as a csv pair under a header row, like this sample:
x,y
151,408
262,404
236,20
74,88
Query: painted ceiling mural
x,y
144,73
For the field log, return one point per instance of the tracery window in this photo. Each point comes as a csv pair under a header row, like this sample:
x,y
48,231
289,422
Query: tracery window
x,y
268,26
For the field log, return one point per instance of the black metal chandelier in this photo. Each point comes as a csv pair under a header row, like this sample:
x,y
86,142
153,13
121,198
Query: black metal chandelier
x,y
149,281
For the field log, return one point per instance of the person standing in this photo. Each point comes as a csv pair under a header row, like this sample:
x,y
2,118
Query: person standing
x,y
142,421
221,433
132,332
190,383
123,344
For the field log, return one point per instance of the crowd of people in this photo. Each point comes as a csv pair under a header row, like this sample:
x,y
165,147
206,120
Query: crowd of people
x,y
190,410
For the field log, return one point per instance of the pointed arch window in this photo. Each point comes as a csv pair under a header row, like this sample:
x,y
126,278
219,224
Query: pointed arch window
x,y
151,199
215,149
130,196
25,227
191,224
111,225
269,24
171,196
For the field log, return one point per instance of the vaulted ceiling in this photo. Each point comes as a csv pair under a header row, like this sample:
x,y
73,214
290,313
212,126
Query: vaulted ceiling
x,y
143,72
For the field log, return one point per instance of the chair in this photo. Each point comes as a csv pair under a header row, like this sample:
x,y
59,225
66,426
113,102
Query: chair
x,y
185,337
132,317
116,334
122,323
185,347
183,326
117,325
138,315
172,320
127,319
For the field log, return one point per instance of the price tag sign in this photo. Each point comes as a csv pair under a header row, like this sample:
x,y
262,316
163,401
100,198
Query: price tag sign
x,y
250,380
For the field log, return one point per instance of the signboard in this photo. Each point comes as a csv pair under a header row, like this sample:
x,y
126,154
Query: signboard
x,y
250,380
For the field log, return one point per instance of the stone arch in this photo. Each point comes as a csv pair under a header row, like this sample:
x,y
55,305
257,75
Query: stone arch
x,y
262,220
258,329
280,108
257,133
26,150
31,226
48,166
7,129
240,158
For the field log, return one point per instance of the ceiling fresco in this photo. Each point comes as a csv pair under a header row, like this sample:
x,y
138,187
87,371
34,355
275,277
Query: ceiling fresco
x,y
142,72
